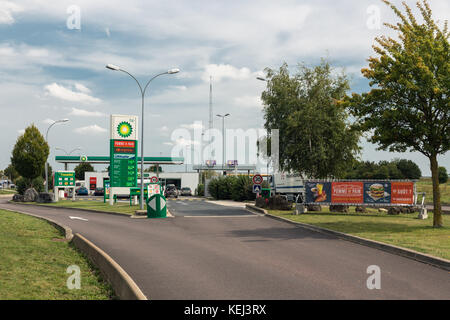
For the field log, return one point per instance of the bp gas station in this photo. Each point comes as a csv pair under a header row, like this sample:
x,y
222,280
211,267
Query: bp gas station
x,y
123,173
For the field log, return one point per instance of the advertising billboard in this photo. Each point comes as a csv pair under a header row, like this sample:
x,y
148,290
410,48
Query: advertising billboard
x,y
360,192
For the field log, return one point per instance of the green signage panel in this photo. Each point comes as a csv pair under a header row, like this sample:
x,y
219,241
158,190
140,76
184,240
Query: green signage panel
x,y
123,163
64,179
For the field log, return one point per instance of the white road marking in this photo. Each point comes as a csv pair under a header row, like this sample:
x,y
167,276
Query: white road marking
x,y
78,218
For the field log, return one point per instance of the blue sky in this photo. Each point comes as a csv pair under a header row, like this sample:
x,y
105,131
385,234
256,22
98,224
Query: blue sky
x,y
49,72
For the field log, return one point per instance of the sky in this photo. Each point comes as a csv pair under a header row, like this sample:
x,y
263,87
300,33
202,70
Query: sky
x,y
53,56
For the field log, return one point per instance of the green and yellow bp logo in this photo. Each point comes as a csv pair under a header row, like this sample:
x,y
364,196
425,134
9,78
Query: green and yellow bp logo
x,y
124,129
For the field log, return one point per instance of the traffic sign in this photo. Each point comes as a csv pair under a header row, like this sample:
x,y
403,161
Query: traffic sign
x,y
154,179
257,179
257,188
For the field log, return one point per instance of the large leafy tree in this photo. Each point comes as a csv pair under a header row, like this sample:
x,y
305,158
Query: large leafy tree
x,y
314,136
30,153
81,169
408,106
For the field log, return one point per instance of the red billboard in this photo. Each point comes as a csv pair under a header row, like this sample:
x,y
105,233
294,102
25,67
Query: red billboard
x,y
92,183
347,192
402,192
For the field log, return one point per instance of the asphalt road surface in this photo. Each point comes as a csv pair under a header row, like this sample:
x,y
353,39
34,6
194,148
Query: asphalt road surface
x,y
198,208
245,257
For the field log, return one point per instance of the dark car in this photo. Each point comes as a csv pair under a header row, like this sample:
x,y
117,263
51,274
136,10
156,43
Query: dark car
x,y
99,192
186,191
171,191
82,191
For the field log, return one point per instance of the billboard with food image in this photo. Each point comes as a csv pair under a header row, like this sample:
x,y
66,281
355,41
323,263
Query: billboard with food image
x,y
377,192
318,192
360,192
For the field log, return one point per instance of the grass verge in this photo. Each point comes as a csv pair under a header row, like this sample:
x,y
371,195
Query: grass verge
x,y
426,185
119,207
403,230
7,191
34,257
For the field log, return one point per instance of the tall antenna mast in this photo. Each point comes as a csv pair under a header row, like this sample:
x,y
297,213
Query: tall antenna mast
x,y
210,104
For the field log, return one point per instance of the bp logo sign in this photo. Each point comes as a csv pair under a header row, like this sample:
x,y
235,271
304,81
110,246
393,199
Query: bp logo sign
x,y
124,129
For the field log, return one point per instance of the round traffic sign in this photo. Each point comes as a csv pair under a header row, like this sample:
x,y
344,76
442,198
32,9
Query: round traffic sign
x,y
154,179
257,179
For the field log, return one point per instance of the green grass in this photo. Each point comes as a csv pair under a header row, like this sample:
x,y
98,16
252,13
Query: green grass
x,y
425,185
7,191
33,263
119,207
403,230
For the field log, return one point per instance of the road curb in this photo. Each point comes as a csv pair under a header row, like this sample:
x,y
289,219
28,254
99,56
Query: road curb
x,y
407,253
124,286
69,208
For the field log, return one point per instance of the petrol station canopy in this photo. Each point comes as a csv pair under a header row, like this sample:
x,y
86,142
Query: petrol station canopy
x,y
106,159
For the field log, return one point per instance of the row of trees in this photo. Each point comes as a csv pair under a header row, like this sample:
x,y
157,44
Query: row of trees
x,y
396,169
407,108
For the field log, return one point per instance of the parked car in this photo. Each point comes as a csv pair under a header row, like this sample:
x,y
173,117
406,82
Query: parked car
x,y
99,192
186,191
12,186
82,191
171,191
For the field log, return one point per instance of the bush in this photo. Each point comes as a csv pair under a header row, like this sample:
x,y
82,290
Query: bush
x,y
22,184
238,188
442,175
242,189
38,184
200,191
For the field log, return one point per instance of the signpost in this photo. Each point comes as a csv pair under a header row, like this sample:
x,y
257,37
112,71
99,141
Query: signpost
x,y
257,184
123,154
63,180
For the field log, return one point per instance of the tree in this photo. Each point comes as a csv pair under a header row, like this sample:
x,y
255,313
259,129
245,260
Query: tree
x,y
443,175
314,137
152,168
81,169
11,173
408,105
409,169
30,153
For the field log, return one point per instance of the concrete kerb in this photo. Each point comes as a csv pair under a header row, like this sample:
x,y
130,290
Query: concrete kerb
x,y
69,208
407,253
124,286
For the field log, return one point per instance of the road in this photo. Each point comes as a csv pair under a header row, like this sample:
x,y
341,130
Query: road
x,y
213,252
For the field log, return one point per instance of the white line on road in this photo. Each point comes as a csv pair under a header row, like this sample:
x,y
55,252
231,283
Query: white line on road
x,y
78,218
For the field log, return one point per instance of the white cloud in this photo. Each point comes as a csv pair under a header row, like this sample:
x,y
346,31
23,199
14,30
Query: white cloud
x,y
164,128
195,125
225,71
6,12
248,102
80,87
92,129
86,113
48,121
63,93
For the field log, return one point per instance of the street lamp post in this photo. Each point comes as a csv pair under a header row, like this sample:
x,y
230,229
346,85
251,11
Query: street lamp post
x,y
171,71
46,140
223,137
